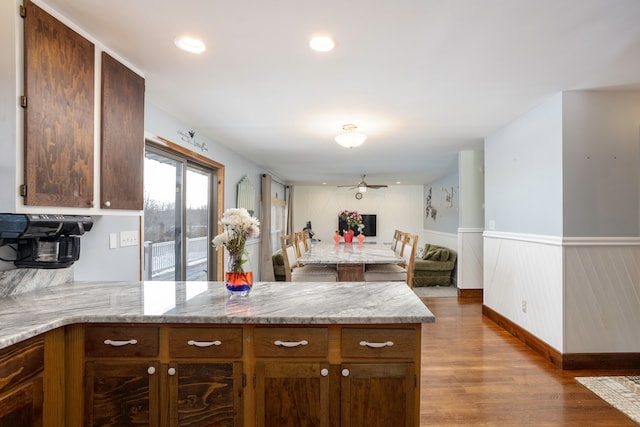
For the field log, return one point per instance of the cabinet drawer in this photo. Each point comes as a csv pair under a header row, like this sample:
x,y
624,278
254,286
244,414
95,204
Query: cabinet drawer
x,y
205,342
21,362
370,342
121,341
294,342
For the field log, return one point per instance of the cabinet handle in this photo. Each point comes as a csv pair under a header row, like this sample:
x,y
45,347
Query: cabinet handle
x,y
120,343
171,371
324,372
107,204
204,343
151,370
290,343
376,344
345,372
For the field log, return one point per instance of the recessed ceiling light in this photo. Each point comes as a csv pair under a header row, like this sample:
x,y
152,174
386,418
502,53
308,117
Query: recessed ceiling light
x,y
190,44
322,44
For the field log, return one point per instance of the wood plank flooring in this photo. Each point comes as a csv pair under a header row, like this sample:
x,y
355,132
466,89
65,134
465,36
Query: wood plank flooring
x,y
476,374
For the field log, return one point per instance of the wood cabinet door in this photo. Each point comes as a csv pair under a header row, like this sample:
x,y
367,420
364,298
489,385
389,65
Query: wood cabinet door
x,y
123,394
378,394
205,394
59,115
292,394
122,148
22,406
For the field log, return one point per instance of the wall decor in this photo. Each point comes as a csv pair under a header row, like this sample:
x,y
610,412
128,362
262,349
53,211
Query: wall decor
x,y
190,138
448,197
430,210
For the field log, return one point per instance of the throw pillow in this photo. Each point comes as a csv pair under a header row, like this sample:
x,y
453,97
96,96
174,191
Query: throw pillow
x,y
433,255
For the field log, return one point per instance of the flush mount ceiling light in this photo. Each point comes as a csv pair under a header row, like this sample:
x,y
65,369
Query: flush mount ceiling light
x,y
349,138
190,44
322,44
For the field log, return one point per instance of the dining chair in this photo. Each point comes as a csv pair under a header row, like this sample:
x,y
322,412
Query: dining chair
x,y
303,273
399,242
307,239
299,243
395,272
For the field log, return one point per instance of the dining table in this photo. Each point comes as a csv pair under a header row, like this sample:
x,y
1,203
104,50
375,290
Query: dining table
x,y
350,259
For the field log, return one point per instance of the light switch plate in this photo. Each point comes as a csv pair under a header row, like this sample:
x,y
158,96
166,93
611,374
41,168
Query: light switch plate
x,y
128,238
113,240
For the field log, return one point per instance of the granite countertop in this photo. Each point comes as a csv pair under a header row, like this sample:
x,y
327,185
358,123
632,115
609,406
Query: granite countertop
x,y
350,253
32,313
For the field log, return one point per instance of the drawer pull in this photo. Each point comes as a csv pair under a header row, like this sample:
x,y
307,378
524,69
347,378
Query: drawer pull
x,y
171,371
120,343
151,370
376,344
324,372
290,343
345,372
204,343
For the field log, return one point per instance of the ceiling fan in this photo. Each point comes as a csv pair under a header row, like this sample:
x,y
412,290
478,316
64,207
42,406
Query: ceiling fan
x,y
362,186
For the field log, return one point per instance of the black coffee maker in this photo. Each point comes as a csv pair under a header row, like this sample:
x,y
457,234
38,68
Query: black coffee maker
x,y
44,240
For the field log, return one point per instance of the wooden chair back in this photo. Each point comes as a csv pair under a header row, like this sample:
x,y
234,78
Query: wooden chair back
x,y
299,243
409,248
289,255
399,235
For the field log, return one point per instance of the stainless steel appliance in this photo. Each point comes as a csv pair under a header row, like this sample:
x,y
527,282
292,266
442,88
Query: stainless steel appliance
x,y
44,240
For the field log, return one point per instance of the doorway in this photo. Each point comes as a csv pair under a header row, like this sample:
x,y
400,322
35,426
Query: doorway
x,y
179,202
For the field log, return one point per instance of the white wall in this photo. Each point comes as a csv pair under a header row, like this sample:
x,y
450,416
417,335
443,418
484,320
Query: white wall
x,y
601,139
396,207
567,245
523,173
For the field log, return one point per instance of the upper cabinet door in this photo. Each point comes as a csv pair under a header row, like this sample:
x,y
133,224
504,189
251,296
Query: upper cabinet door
x,y
122,150
59,117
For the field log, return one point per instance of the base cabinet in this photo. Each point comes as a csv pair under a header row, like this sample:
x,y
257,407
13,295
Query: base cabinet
x,y
377,394
21,384
166,377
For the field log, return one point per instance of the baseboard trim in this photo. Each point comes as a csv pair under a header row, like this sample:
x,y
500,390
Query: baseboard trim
x,y
530,340
566,361
575,361
470,293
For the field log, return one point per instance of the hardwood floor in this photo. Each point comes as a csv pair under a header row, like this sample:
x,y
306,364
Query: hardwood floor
x,y
475,373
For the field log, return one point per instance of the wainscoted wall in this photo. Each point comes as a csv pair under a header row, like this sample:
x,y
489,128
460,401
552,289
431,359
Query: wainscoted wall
x,y
582,295
470,258
526,269
602,291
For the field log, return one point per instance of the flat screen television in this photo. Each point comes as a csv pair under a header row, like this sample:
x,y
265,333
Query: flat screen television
x,y
369,222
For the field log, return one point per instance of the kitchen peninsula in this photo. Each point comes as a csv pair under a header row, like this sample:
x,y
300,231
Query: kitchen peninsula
x,y
171,353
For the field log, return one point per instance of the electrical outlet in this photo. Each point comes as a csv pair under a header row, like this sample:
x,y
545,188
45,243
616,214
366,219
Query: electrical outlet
x,y
492,224
524,306
128,238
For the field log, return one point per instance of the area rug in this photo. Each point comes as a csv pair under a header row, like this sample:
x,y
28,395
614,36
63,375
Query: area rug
x,y
436,291
623,393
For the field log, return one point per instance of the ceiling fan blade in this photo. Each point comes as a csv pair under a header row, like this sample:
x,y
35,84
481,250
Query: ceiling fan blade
x,y
377,186
350,186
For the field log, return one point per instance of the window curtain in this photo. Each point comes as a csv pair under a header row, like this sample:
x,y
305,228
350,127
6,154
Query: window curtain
x,y
266,263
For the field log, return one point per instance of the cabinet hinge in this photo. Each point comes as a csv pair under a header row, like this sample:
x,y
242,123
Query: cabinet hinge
x,y
23,190
23,11
244,380
23,101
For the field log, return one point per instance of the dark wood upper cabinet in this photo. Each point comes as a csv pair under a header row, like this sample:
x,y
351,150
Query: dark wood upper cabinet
x,y
59,69
122,149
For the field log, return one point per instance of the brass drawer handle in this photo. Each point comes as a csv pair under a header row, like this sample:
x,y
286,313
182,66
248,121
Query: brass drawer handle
x,y
290,344
204,343
120,343
376,344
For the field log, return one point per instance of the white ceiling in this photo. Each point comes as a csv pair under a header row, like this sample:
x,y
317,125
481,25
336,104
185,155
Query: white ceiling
x,y
423,78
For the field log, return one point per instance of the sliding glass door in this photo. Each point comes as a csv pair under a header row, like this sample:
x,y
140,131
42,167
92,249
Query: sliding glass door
x,y
178,208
